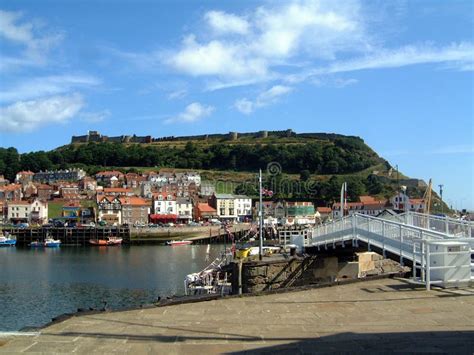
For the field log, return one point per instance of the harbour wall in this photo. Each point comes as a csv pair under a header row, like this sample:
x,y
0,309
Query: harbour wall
x,y
67,236
260,276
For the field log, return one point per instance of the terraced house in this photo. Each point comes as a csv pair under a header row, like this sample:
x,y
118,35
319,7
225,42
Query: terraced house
x,y
135,210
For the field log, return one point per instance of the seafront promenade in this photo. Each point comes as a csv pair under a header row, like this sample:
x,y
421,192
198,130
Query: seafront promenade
x,y
373,316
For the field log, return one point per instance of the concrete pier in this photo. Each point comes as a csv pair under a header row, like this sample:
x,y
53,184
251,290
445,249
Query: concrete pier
x,y
375,316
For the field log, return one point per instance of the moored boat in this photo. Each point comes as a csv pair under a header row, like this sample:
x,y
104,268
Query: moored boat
x,y
7,241
179,242
111,241
36,244
52,243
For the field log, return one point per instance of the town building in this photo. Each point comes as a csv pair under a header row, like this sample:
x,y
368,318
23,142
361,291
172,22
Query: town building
x,y
164,203
243,206
225,206
45,192
204,212
88,184
300,212
135,210
59,175
109,178
110,210
24,177
118,191
33,212
402,202
184,209
367,205
11,192
323,213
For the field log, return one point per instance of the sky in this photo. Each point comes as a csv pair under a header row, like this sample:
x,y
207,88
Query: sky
x,y
399,74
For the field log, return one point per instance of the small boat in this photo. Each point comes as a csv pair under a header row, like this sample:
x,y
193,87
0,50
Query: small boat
x,y
37,244
114,241
111,241
52,243
179,242
7,241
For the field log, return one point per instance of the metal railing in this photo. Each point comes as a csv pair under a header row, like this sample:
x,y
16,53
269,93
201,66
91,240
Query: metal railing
x,y
451,226
392,236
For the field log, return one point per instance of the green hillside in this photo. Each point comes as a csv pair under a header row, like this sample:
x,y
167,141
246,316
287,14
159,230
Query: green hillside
x,y
295,165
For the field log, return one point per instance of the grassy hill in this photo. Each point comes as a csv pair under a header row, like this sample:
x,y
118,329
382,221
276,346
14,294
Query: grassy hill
x,y
295,165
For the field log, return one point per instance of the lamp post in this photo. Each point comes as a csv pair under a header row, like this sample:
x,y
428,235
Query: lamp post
x,y
441,196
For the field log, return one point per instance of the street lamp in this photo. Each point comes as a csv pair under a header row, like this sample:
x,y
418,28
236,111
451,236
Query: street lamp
x,y
441,196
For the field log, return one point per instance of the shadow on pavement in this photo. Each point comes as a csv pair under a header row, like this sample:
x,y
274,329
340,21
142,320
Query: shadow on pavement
x,y
458,342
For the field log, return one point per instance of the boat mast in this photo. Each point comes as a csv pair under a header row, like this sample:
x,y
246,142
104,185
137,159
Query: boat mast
x,y
260,214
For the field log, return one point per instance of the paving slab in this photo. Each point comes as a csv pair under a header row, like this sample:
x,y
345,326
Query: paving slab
x,y
386,315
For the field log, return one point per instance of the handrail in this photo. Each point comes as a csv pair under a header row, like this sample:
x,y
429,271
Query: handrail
x,y
385,221
439,218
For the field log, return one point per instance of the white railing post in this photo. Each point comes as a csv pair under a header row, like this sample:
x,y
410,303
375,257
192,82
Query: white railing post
x,y
401,245
414,261
428,273
423,261
383,239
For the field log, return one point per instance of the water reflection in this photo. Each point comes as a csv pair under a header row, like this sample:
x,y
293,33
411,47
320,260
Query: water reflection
x,y
38,284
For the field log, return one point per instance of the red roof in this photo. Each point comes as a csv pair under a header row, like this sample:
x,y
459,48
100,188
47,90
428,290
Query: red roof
x,y
204,207
26,173
324,209
367,199
117,189
11,187
134,201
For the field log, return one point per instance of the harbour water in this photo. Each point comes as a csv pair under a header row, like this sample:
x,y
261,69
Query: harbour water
x,y
39,284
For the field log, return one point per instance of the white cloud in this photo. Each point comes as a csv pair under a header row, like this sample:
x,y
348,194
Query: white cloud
x,y
454,56
245,106
269,38
291,42
178,94
94,117
25,116
47,86
265,98
36,45
192,113
223,23
456,53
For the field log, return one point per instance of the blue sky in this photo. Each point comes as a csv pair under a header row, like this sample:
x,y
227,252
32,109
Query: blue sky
x,y
399,74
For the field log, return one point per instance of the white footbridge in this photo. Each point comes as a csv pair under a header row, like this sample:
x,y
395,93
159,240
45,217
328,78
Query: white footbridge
x,y
439,248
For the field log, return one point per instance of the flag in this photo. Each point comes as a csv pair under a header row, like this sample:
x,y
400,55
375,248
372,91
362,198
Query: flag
x,y
266,192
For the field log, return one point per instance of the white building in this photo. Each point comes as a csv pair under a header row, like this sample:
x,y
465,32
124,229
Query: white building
x,y
184,209
225,206
243,206
164,203
403,202
27,212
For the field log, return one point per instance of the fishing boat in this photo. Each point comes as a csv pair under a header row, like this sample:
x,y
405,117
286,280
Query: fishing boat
x,y
52,243
6,241
36,244
111,241
179,242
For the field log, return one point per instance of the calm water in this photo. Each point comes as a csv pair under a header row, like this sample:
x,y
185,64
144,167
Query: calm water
x,y
38,284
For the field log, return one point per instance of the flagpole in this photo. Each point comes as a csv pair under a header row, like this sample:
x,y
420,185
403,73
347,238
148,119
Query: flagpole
x,y
260,221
